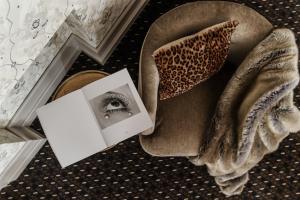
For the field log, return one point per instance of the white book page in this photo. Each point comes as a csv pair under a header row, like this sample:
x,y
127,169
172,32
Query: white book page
x,y
117,107
71,128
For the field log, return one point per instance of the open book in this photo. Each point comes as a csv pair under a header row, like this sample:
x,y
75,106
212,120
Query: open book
x,y
93,118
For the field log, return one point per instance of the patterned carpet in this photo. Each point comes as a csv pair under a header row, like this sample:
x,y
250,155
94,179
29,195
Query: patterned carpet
x,y
127,172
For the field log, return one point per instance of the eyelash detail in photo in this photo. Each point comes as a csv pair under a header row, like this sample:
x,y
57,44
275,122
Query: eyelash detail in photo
x,y
115,102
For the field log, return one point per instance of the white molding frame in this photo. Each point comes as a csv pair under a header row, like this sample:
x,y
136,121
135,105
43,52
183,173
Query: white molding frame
x,y
120,27
14,169
50,79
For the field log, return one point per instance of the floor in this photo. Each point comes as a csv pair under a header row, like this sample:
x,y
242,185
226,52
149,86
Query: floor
x,y
127,172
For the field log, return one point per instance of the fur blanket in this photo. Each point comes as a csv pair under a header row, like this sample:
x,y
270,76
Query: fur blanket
x,y
255,112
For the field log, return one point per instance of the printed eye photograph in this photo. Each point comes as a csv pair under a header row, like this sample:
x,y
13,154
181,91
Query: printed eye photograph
x,y
114,106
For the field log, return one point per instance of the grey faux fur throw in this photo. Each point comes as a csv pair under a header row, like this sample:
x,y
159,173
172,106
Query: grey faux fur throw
x,y
255,112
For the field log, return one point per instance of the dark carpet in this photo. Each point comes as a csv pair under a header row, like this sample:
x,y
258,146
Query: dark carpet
x,y
127,172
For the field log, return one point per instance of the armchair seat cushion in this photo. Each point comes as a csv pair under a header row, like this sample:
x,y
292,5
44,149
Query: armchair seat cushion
x,y
179,123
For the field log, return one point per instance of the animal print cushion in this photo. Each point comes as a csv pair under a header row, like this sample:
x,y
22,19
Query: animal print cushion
x,y
184,63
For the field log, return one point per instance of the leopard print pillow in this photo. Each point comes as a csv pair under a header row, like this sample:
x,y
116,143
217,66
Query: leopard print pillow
x,y
184,63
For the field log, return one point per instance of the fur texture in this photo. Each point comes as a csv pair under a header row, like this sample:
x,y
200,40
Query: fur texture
x,y
255,112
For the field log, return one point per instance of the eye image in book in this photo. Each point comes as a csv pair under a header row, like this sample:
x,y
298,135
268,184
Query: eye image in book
x,y
114,106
